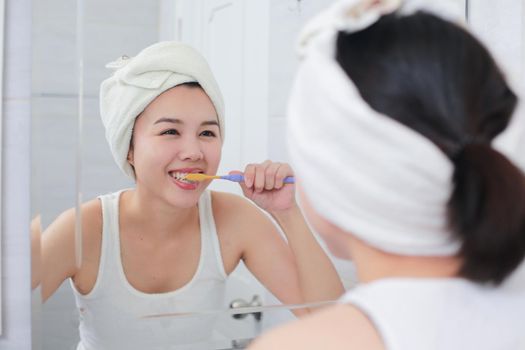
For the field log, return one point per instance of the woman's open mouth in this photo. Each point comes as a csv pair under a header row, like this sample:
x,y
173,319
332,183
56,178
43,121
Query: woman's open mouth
x,y
180,180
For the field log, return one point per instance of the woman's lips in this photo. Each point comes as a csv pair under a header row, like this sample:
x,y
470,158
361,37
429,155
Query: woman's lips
x,y
184,184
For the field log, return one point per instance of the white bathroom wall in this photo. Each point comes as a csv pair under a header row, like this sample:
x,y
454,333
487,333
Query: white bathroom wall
x,y
16,298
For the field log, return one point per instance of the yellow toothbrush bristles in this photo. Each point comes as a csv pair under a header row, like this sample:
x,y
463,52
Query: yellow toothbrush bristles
x,y
199,177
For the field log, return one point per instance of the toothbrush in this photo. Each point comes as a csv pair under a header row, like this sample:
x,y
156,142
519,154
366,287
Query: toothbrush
x,y
233,177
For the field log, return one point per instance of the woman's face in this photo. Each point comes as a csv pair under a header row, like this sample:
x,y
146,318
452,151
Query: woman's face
x,y
177,133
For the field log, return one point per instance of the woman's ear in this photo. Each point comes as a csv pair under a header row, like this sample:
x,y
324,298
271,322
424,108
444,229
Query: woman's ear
x,y
130,156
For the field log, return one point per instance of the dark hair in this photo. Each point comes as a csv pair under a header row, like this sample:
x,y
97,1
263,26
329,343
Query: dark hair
x,y
436,78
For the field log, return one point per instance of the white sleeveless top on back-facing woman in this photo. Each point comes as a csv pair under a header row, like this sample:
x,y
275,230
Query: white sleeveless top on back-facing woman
x,y
112,313
442,314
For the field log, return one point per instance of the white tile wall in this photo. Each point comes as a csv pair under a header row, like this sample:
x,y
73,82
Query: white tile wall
x,y
54,145
16,298
111,29
54,38
105,42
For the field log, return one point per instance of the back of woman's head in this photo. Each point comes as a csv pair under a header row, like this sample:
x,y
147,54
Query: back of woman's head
x,y
437,79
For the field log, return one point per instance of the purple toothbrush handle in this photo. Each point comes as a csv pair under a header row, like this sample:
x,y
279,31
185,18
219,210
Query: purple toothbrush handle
x,y
240,178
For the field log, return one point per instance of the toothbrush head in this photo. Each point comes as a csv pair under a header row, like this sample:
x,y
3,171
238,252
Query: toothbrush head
x,y
199,177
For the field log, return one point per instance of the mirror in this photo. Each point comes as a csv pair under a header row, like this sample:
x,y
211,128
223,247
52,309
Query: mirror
x,y
250,48
73,41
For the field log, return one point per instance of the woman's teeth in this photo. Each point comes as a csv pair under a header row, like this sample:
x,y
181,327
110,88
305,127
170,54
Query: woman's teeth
x,y
181,177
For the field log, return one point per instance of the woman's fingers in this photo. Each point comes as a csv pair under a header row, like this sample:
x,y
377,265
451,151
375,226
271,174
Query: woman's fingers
x,y
270,173
266,176
260,176
245,189
283,171
249,175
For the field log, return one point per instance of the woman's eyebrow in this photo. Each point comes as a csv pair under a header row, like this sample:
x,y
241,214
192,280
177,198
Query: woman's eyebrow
x,y
178,121
210,122
168,120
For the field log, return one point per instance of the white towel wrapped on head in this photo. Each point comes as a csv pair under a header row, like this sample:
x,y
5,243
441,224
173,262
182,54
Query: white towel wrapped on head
x,y
363,171
137,81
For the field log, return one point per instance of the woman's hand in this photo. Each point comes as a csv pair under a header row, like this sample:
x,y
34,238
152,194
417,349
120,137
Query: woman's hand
x,y
263,184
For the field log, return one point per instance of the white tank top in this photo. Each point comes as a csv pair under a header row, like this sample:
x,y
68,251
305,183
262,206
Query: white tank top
x,y
111,314
451,314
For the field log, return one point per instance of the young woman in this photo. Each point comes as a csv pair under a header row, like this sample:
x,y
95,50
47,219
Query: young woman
x,y
168,244
395,109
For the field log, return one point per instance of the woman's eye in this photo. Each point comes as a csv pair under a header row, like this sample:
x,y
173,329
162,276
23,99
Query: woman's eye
x,y
208,133
170,132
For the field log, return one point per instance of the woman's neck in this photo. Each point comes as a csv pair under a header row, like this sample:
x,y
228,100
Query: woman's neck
x,y
155,216
373,264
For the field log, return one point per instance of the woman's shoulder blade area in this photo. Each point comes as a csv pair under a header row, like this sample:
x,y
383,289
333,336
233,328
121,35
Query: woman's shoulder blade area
x,y
338,327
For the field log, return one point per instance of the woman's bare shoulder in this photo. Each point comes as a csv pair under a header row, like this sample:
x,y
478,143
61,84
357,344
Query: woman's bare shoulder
x,y
337,327
58,246
91,218
228,200
229,206
238,217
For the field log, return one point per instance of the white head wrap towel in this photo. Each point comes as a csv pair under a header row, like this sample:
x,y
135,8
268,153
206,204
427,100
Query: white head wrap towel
x,y
363,171
139,80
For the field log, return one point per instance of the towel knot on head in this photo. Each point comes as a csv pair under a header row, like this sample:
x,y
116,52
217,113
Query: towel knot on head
x,y
119,62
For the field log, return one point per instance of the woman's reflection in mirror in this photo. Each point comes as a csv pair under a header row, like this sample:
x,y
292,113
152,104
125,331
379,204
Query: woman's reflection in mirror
x,y
167,245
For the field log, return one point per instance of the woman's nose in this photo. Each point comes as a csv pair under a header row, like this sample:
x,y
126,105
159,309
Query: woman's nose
x,y
191,151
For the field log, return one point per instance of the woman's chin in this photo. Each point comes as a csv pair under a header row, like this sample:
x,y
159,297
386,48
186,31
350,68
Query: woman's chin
x,y
185,199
